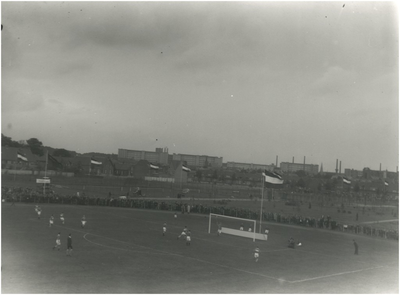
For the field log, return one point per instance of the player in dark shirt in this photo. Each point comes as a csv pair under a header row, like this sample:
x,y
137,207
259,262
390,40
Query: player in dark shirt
x,y
291,243
69,245
355,247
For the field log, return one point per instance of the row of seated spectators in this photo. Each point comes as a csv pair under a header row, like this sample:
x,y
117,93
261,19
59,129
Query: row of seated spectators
x,y
324,222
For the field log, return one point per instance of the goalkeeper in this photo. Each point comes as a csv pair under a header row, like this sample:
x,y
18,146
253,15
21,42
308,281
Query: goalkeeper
x,y
291,243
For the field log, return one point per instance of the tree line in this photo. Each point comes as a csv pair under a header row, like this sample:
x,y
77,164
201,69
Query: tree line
x,y
35,146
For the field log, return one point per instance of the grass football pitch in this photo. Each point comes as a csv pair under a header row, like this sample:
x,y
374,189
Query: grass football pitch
x,y
122,250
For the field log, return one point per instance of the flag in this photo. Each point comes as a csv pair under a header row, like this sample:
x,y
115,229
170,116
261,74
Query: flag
x,y
22,157
272,178
154,167
95,162
111,162
386,183
346,181
186,169
54,161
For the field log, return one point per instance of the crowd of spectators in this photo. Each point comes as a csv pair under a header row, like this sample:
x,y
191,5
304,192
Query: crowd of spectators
x,y
27,195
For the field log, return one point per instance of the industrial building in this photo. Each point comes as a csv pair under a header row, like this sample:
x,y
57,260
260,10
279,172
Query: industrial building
x,y
160,156
370,174
293,167
198,161
250,166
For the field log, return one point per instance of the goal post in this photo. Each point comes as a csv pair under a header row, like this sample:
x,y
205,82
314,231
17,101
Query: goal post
x,y
233,225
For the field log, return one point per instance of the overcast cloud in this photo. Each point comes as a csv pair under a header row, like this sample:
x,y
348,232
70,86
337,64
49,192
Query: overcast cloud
x,y
246,81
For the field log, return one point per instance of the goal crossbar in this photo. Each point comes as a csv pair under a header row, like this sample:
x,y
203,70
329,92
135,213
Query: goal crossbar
x,y
245,234
241,233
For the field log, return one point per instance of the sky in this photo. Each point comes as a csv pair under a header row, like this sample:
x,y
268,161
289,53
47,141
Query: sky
x,y
246,81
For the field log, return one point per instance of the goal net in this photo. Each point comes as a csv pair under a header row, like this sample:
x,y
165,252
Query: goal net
x,y
232,226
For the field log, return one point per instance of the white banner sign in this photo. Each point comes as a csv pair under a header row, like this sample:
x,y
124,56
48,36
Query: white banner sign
x,y
40,180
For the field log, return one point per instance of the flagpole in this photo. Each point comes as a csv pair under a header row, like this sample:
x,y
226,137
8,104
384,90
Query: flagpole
x,y
15,166
148,179
181,174
45,169
88,180
262,199
45,173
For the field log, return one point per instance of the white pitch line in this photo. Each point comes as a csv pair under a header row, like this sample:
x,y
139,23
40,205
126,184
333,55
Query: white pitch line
x,y
202,233
117,248
233,246
220,265
225,266
333,275
379,221
277,250
188,257
327,255
70,228
237,269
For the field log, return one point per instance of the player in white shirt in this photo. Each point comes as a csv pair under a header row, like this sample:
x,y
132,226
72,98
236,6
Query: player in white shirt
x,y
58,242
241,226
256,254
188,238
39,211
51,220
219,228
183,233
83,221
164,229
62,218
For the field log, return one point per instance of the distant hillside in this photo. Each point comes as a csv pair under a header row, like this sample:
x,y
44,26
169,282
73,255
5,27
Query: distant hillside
x,y
51,150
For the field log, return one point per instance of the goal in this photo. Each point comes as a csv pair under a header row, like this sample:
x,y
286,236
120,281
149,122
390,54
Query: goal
x,y
236,226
